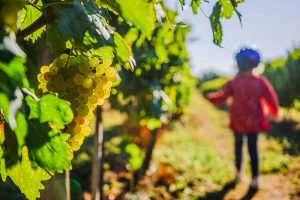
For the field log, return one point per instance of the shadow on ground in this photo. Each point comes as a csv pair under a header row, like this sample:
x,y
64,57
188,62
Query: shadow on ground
x,y
220,194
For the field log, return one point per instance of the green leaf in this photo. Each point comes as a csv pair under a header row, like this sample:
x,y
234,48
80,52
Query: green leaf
x,y
48,147
56,42
56,110
85,24
216,24
234,4
31,14
15,70
136,156
140,14
27,178
106,52
227,8
195,4
50,108
123,51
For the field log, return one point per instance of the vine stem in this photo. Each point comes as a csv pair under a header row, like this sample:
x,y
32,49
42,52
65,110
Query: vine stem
x,y
37,24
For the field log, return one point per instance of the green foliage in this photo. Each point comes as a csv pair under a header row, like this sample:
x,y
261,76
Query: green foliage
x,y
26,127
283,75
135,156
162,82
213,85
85,24
144,21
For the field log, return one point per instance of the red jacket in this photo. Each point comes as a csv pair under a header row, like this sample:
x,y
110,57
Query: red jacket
x,y
253,99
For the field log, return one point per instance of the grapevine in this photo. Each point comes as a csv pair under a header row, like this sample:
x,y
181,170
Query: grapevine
x,y
51,119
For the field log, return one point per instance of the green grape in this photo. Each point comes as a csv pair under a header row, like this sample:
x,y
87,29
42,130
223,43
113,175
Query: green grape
x,y
84,83
79,120
86,130
93,99
70,83
40,77
111,74
83,110
44,69
83,99
79,137
75,146
100,70
94,62
78,79
84,68
87,83
100,102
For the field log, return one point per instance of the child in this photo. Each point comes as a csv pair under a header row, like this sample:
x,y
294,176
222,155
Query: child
x,y
253,99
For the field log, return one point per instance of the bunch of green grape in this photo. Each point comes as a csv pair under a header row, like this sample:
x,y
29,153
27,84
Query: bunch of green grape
x,y
85,83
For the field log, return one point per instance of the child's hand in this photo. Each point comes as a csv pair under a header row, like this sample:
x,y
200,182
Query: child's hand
x,y
278,117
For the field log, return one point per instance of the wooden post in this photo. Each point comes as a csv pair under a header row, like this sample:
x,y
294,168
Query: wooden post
x,y
97,171
67,184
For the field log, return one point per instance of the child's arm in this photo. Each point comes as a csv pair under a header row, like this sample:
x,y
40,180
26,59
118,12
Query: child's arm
x,y
219,98
270,97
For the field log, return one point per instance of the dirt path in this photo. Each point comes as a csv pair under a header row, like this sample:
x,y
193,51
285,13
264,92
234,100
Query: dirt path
x,y
274,186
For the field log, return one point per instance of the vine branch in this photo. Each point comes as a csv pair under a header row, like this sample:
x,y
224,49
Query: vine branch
x,y
40,22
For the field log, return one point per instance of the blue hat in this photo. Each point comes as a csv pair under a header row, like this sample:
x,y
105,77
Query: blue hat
x,y
247,58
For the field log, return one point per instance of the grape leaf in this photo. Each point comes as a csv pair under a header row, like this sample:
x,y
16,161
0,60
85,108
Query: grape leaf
x,y
56,42
27,178
84,24
50,108
48,147
30,14
123,51
216,24
139,13
106,52
15,70
195,4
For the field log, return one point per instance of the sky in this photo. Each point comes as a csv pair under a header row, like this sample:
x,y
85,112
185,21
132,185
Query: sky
x,y
272,25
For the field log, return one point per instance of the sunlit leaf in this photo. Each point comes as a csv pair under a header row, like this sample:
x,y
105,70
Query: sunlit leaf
x,y
139,13
123,51
30,14
27,178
